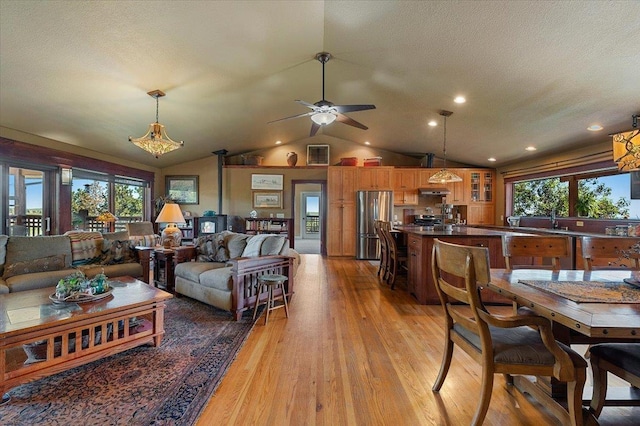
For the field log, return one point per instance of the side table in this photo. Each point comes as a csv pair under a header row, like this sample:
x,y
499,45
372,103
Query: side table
x,y
164,264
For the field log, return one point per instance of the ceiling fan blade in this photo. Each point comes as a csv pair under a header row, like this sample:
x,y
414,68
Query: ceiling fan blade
x,y
293,116
350,121
314,129
352,108
307,104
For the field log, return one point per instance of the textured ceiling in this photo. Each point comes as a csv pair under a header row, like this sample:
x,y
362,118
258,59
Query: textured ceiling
x,y
534,73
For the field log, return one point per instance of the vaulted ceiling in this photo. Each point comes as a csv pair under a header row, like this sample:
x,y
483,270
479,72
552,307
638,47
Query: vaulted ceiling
x,y
533,73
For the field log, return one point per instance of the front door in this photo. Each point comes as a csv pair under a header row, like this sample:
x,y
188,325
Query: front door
x,y
26,212
310,219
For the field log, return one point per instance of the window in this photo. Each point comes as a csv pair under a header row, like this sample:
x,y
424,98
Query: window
x,y
599,195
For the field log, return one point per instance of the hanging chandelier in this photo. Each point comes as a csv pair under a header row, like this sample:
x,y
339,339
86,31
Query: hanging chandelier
x,y
156,140
626,147
444,175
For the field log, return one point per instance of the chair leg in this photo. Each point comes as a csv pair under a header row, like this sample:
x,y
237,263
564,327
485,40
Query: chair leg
x,y
485,397
446,363
599,387
574,398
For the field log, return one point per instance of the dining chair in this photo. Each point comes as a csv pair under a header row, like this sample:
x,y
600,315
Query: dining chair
x,y
621,359
500,344
383,269
618,252
397,256
536,248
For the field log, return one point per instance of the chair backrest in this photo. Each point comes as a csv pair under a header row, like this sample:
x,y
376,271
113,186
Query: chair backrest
x,y
140,228
617,253
378,225
470,264
536,248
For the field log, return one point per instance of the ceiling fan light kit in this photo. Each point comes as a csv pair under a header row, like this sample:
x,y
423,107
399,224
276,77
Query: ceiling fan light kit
x,y
444,175
156,141
324,112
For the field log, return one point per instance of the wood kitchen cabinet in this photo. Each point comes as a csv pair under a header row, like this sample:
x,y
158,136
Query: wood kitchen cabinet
x,y
405,187
375,178
481,186
458,189
405,198
341,220
480,214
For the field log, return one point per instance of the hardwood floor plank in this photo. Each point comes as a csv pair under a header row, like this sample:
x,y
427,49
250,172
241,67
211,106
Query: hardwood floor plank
x,y
354,352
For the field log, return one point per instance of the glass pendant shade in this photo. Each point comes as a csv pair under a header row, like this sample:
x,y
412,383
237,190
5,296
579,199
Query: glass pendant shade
x,y
323,118
156,141
444,175
626,148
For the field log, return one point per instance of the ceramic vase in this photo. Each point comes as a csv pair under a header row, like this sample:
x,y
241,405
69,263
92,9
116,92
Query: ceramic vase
x,y
292,159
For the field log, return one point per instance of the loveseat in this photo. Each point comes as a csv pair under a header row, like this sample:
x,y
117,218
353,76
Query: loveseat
x,y
222,269
28,263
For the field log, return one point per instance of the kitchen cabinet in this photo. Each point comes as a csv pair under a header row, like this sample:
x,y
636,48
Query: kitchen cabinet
x,y
423,179
458,189
341,220
405,187
375,178
481,186
480,214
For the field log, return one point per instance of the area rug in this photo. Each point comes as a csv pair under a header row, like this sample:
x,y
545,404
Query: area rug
x,y
589,291
168,385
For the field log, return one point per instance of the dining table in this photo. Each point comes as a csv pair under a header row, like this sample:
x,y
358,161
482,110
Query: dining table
x,y
585,307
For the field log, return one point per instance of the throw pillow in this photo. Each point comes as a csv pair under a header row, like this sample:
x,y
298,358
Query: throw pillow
x,y
272,246
117,251
151,240
44,264
254,243
86,247
235,244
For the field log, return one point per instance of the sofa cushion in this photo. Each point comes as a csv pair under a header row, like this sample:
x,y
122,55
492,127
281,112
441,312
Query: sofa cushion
x,y
252,249
86,247
20,249
117,251
44,264
192,270
219,278
3,251
151,240
36,280
211,248
119,236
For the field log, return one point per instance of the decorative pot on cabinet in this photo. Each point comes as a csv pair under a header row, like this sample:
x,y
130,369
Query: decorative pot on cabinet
x,y
292,159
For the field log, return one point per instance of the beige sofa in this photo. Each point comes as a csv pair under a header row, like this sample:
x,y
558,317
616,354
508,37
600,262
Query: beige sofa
x,y
28,263
222,269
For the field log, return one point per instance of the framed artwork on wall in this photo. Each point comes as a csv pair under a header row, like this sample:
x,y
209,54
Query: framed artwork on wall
x,y
267,200
182,189
270,182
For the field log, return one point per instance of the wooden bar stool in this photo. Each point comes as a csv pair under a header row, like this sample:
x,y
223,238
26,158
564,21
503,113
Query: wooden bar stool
x,y
271,282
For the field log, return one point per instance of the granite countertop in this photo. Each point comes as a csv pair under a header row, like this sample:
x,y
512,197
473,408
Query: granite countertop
x,y
546,231
460,231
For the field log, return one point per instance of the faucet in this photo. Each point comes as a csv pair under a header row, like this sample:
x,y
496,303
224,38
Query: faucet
x,y
554,223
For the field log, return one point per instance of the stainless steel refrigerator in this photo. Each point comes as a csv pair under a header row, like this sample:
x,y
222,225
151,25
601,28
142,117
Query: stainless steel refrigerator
x,y
371,206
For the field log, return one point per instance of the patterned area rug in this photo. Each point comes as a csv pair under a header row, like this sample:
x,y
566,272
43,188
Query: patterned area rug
x,y
169,385
590,291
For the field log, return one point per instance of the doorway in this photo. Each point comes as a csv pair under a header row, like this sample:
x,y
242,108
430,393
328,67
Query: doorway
x,y
26,209
309,213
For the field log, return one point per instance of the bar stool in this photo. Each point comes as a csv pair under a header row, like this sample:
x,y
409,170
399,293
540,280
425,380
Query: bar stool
x,y
271,282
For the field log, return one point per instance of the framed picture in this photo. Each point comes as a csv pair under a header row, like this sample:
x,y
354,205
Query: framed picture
x,y
182,189
270,182
267,200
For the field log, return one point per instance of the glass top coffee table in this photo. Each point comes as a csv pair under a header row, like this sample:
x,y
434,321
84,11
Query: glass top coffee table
x,y
39,337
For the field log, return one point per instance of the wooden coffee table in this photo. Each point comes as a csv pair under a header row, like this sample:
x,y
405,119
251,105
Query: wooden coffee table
x,y
39,338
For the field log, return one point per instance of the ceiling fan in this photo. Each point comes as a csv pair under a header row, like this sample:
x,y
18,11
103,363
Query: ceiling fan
x,y
325,112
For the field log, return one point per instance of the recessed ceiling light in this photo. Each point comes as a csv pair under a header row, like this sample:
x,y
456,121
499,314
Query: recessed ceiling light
x,y
594,128
459,100
491,159
367,143
278,142
531,148
432,123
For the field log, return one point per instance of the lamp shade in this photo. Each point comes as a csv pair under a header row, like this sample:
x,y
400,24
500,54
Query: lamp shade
x,y
171,214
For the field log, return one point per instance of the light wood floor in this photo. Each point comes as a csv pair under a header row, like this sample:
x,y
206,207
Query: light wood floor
x,y
354,352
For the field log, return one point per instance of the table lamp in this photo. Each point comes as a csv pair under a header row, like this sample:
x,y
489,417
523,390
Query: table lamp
x,y
171,214
108,219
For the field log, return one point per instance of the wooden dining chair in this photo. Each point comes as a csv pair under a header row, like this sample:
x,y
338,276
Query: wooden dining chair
x,y
383,269
621,359
610,253
500,344
397,257
536,248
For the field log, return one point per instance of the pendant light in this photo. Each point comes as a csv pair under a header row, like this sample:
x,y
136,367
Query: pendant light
x,y
444,175
156,140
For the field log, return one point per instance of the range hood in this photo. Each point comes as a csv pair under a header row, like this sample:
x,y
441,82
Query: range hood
x,y
434,191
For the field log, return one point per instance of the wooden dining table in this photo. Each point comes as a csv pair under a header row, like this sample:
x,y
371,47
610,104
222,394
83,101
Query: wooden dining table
x,y
573,322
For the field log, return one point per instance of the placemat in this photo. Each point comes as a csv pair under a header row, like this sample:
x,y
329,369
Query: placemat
x,y
589,291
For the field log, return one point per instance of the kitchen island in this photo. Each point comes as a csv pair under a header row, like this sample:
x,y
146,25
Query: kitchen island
x,y
419,239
